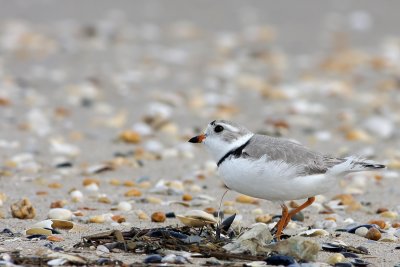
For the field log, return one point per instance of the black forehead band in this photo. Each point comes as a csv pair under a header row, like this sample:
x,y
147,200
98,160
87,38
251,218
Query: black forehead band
x,y
213,122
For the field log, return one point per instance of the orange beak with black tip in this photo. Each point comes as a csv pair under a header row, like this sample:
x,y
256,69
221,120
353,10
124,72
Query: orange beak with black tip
x,y
197,139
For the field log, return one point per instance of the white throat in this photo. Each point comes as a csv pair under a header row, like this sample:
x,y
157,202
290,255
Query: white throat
x,y
218,148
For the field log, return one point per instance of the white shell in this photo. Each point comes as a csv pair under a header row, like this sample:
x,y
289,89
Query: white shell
x,y
60,214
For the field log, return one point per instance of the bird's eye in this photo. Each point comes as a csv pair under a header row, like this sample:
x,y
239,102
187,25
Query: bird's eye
x,y
218,128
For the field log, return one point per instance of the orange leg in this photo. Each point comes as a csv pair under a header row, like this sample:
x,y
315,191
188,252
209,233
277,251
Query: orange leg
x,y
281,224
297,210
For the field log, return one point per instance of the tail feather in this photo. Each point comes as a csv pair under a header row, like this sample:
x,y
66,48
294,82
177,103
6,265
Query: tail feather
x,y
352,164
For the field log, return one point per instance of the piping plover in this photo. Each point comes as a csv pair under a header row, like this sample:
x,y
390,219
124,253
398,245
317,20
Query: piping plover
x,y
272,168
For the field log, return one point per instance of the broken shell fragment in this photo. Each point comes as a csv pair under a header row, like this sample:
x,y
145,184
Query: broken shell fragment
x,y
314,232
23,209
197,218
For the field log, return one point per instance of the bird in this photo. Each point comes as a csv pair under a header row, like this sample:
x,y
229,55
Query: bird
x,y
272,168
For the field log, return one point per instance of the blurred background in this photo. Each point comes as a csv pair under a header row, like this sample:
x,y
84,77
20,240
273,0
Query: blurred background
x,y
323,72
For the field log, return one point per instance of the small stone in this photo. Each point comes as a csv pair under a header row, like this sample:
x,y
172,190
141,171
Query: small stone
x,y
210,210
133,193
380,223
115,182
118,218
23,209
58,204
187,197
129,183
361,231
298,217
60,214
129,136
54,238
76,196
280,260
55,185
257,211
335,258
247,200
265,218
389,214
373,234
396,224
89,181
124,206
92,187
153,259
388,238
154,200
170,215
158,217
380,210
230,210
229,203
97,219
104,199
345,199
142,215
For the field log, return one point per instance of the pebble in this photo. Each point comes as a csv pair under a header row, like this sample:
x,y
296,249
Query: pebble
x,y
361,231
142,215
155,258
247,200
23,209
60,214
280,260
389,214
133,193
130,136
124,206
187,197
336,258
158,217
266,218
76,196
373,234
257,211
97,219
381,224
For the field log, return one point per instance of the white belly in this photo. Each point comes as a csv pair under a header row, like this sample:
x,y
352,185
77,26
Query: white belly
x,y
272,180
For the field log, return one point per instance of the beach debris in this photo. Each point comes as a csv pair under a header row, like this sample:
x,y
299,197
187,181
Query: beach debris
x,y
23,209
297,247
253,241
265,218
314,232
335,258
197,218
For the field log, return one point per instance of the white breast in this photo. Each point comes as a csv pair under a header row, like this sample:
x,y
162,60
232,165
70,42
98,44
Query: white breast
x,y
271,180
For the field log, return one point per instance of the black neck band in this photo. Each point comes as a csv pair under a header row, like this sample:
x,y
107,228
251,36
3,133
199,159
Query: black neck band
x,y
235,152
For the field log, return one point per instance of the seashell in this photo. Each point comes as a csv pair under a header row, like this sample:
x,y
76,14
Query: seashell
x,y
153,200
266,218
97,219
389,214
88,181
54,224
359,263
373,234
142,215
335,258
38,231
133,193
23,209
158,217
332,247
60,214
314,232
54,238
98,168
226,224
361,231
187,197
129,136
230,210
247,200
380,223
388,238
92,187
278,259
118,218
197,218
257,211
124,206
153,259
76,195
